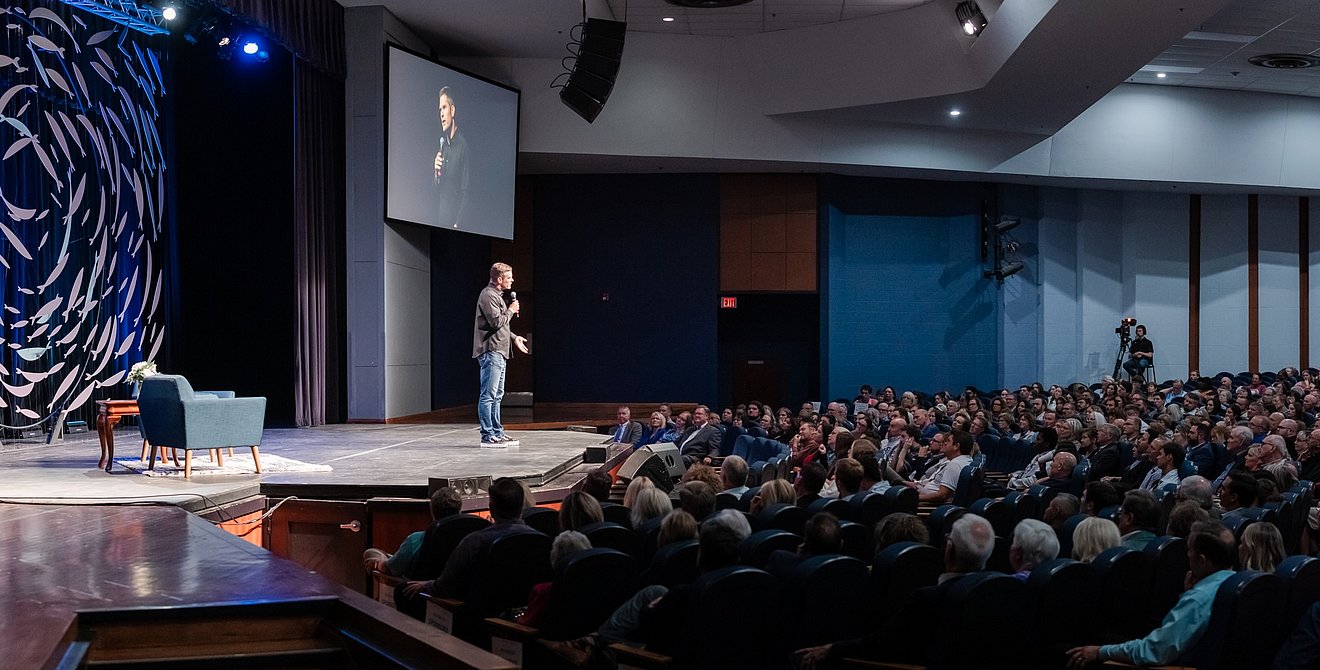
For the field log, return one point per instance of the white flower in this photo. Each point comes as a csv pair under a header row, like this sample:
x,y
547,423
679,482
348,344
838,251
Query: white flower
x,y
141,370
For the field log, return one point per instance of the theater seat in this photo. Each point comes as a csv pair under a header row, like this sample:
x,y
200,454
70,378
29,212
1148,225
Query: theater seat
x,y
941,521
900,569
1125,576
982,619
857,540
673,564
841,509
1246,625
1168,560
1301,576
997,513
1066,534
782,516
1022,506
812,583
758,546
616,513
970,482
543,519
726,500
1063,594
609,535
703,642
511,566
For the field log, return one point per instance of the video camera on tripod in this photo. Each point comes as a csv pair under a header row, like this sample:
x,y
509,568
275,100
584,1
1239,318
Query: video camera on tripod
x,y
1124,332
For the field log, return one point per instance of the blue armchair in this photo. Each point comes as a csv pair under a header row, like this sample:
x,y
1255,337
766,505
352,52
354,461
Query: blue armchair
x,y
174,416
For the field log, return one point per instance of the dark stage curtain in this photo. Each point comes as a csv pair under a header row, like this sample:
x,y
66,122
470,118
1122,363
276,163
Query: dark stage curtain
x,y
313,30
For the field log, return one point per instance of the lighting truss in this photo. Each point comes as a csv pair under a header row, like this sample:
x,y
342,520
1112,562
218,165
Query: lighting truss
x,y
146,20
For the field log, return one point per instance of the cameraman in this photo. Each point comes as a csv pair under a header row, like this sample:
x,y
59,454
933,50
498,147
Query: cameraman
x,y
1141,354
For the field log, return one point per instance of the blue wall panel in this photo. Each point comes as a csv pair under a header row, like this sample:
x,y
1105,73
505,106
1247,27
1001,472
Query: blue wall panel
x,y
906,303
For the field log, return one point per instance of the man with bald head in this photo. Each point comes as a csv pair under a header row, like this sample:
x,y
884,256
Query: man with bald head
x,y
1274,460
893,438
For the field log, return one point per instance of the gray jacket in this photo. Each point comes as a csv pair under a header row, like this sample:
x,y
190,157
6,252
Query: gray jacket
x,y
492,324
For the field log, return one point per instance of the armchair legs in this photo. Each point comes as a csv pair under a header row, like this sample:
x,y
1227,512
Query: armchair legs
x,y
187,458
256,458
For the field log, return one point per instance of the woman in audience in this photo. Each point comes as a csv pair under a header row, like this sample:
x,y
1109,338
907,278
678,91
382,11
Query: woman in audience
x,y
636,486
772,492
1261,548
785,428
767,423
651,503
703,473
655,431
677,526
577,510
1092,536
1183,516
1025,427
566,544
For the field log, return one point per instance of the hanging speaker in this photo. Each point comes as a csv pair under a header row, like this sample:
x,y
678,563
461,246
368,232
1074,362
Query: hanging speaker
x,y
595,68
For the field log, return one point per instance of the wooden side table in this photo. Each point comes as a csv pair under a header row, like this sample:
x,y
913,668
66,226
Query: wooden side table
x,y
108,414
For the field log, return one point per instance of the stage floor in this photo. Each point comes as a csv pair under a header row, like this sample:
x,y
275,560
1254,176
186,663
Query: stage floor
x,y
367,461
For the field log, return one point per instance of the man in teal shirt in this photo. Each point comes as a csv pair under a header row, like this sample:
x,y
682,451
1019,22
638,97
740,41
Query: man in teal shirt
x,y
1210,555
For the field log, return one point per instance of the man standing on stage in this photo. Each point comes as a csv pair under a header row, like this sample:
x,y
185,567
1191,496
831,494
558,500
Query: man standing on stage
x,y
491,346
451,164
1142,355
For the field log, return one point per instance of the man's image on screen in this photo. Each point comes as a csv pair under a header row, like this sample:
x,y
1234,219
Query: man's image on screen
x,y
451,163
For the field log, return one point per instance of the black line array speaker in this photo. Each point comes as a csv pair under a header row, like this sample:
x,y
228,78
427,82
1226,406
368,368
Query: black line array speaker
x,y
597,64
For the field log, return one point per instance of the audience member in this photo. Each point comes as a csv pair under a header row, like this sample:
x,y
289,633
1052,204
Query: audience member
x,y
1097,496
1211,555
819,537
506,506
809,482
701,440
657,430
701,472
1261,548
1092,537
636,486
1060,471
940,482
1061,508
651,503
1168,459
445,502
597,484
772,492
1138,518
900,527
627,431
848,477
1184,516
1195,489
971,541
733,475
1239,491
577,510
677,526
565,544
698,498
1034,543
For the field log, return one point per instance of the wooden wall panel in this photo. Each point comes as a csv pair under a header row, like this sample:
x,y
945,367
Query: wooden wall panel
x,y
768,233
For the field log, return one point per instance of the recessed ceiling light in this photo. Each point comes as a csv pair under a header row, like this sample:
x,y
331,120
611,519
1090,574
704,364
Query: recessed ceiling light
x,y
668,19
955,112
1160,75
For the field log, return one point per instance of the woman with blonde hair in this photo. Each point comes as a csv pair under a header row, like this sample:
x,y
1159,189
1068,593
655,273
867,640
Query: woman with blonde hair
x,y
635,487
1261,547
651,503
772,492
1092,536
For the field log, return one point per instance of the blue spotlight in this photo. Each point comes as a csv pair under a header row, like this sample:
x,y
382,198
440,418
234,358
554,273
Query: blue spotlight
x,y
250,47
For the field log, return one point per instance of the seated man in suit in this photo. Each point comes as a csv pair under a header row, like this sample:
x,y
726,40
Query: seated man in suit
x,y
971,541
701,440
1107,458
627,432
1210,555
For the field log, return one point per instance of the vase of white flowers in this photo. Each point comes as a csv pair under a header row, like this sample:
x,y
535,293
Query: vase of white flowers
x,y
140,370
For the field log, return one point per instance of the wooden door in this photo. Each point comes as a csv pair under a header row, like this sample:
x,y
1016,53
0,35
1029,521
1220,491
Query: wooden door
x,y
327,536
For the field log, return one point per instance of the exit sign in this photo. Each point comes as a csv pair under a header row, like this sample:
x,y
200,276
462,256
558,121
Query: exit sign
x,y
729,302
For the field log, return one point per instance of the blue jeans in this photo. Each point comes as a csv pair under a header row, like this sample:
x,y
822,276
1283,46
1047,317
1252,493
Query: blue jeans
x,y
1136,367
492,392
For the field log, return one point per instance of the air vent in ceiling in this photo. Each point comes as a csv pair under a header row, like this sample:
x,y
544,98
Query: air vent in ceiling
x,y
1285,61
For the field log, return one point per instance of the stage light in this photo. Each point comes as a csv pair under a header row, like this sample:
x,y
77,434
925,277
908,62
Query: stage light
x,y
1010,269
251,48
1161,75
971,18
954,112
169,13
1007,223
668,19
263,56
224,41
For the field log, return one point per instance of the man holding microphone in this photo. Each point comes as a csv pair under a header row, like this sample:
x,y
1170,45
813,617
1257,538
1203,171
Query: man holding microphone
x,y
492,343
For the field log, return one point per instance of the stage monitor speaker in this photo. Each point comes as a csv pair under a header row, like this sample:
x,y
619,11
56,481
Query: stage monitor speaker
x,y
595,68
643,462
668,452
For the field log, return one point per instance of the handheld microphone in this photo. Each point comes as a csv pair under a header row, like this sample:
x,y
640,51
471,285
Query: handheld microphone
x,y
514,295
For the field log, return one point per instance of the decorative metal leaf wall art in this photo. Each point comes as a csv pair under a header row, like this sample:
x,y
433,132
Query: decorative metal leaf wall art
x,y
82,203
